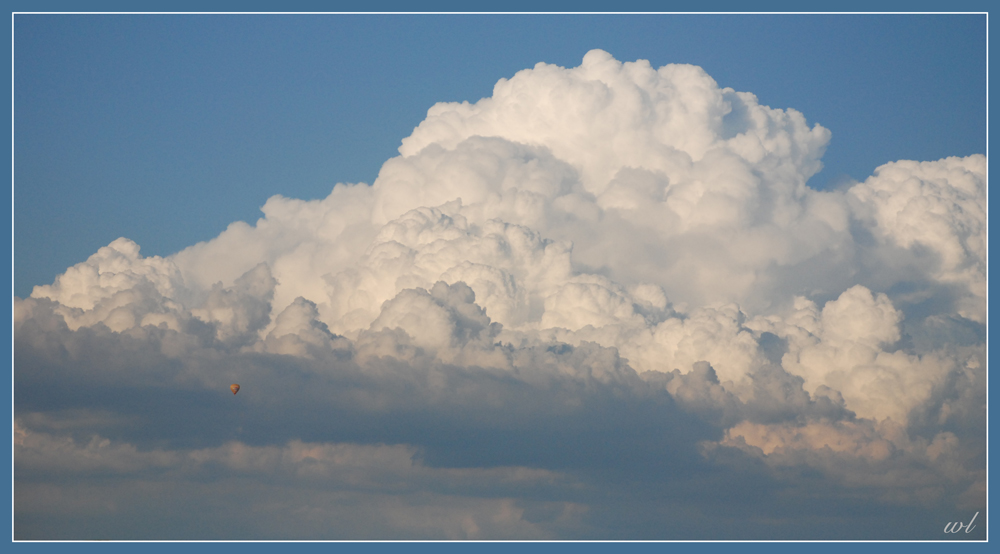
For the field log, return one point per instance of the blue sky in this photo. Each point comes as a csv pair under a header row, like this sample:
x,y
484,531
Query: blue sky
x,y
165,129
652,287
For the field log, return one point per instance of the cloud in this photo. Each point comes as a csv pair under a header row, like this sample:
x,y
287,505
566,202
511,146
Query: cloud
x,y
318,489
601,299
938,211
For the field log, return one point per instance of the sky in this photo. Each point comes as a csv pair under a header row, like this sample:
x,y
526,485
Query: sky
x,y
166,129
499,277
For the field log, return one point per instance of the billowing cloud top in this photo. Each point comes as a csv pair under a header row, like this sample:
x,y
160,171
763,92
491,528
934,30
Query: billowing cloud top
x,y
603,278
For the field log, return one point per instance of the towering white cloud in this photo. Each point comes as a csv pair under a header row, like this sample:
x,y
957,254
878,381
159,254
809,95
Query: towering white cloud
x,y
610,254
938,210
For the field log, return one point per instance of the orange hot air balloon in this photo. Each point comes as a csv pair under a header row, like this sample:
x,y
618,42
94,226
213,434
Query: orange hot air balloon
x,y
235,388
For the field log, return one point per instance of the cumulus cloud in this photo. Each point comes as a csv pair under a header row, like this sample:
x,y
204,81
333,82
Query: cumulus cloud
x,y
601,298
938,211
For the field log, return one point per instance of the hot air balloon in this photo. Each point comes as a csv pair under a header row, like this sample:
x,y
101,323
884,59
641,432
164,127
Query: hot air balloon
x,y
235,388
